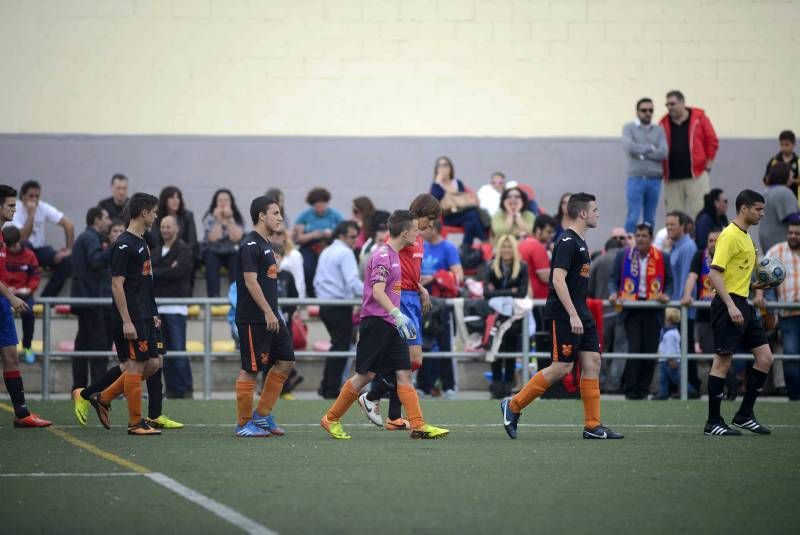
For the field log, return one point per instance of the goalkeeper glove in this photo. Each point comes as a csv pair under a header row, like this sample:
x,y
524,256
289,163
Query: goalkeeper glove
x,y
403,324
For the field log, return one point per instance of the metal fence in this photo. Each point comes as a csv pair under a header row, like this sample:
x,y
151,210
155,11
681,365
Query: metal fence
x,y
208,355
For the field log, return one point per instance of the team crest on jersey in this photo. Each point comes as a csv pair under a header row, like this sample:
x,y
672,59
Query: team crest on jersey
x,y
142,346
272,271
264,358
585,270
147,268
396,288
566,349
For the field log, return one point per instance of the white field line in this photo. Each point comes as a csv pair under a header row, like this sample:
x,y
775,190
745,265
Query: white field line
x,y
67,474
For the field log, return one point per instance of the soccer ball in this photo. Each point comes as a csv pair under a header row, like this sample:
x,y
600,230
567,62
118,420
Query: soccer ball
x,y
770,271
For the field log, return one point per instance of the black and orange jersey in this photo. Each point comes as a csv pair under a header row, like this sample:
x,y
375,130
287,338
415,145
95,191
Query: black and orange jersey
x,y
256,256
130,258
571,254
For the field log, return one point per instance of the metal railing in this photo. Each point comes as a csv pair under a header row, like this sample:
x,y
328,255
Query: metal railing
x,y
526,354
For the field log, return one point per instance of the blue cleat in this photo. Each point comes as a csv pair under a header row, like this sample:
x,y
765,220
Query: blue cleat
x,y
268,424
251,430
510,418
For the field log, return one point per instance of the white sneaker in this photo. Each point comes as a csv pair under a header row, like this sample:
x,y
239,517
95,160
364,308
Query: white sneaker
x,y
450,394
372,409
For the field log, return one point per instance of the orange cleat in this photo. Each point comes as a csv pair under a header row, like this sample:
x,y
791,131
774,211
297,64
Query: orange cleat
x,y
32,420
399,424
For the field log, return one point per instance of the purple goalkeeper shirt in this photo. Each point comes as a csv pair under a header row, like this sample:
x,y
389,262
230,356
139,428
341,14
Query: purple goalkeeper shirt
x,y
383,266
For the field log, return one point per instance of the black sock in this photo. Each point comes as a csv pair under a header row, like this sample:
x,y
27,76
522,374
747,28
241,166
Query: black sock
x,y
378,388
110,376
155,395
395,406
715,395
755,381
16,392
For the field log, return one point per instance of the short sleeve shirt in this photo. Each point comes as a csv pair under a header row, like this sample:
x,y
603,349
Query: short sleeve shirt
x,y
383,266
411,263
130,258
256,256
535,255
45,213
572,255
735,257
312,221
442,255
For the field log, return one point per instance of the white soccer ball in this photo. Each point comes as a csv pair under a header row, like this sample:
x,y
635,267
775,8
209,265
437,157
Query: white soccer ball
x,y
770,271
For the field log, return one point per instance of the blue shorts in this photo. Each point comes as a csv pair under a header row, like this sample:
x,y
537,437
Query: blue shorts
x,y
8,329
411,307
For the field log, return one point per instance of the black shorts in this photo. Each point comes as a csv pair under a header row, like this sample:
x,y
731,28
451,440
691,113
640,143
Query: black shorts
x,y
566,344
380,348
729,337
145,346
258,346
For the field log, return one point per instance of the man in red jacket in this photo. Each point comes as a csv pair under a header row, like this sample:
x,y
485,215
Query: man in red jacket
x,y
22,278
693,147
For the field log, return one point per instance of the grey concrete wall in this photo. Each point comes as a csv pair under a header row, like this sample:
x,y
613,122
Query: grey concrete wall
x,y
75,170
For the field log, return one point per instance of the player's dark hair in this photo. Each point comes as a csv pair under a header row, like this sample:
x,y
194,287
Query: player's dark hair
x,y
787,135
7,191
138,203
577,203
425,205
778,174
543,221
344,227
400,221
748,198
260,205
27,186
118,176
643,101
92,214
645,226
11,235
677,94
318,195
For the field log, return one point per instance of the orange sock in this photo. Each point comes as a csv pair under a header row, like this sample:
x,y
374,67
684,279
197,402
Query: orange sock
x,y
270,392
410,400
114,389
590,394
133,393
347,397
537,386
244,401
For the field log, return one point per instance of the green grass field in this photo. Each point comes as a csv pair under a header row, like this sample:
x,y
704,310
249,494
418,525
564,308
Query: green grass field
x,y
664,477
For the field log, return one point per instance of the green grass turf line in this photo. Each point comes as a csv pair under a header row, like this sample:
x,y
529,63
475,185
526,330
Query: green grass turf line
x,y
657,480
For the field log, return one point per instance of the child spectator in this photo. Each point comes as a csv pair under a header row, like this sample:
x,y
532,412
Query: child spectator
x,y
786,155
22,278
668,372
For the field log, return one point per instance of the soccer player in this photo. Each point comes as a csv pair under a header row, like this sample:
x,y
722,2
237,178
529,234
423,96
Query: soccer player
x,y
263,335
383,333
134,317
8,330
733,319
414,302
570,323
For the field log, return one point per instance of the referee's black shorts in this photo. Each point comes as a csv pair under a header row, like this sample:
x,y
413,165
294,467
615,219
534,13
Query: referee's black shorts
x,y
728,337
380,348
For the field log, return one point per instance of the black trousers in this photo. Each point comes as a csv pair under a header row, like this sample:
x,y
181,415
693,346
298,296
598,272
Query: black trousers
x,y
339,323
94,334
643,328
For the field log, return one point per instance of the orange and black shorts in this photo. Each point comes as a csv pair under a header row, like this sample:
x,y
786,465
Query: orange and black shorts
x,y
257,345
143,348
566,345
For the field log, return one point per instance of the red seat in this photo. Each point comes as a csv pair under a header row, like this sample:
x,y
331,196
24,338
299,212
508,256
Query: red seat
x,y
322,345
62,309
66,345
313,311
450,229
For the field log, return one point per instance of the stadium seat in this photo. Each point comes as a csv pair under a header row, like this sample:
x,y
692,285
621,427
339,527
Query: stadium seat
x,y
223,346
194,346
220,311
194,311
450,229
66,345
63,310
322,345
38,310
36,346
313,311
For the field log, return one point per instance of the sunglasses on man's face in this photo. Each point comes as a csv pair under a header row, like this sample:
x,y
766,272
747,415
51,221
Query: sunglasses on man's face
x,y
645,110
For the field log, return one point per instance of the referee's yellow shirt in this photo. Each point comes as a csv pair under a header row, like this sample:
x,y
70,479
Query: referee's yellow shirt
x,y
735,257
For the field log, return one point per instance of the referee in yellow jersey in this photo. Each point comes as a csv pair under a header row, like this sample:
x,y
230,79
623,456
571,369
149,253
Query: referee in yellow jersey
x,y
733,319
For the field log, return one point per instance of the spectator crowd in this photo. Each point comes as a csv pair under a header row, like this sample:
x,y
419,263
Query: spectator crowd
x,y
503,258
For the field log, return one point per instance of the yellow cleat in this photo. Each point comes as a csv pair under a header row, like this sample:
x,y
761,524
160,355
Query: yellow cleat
x,y
81,406
429,432
288,396
162,422
334,429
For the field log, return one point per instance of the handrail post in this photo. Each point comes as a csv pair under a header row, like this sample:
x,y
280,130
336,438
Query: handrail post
x,y
46,352
526,349
206,350
684,352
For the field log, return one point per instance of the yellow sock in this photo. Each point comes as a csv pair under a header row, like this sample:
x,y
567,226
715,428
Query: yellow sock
x,y
537,386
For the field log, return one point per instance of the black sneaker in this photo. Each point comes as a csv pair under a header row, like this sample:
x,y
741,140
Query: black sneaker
x,y
751,424
102,410
601,432
720,429
510,418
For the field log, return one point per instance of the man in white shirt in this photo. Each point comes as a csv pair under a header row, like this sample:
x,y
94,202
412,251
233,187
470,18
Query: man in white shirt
x,y
489,194
337,278
30,218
